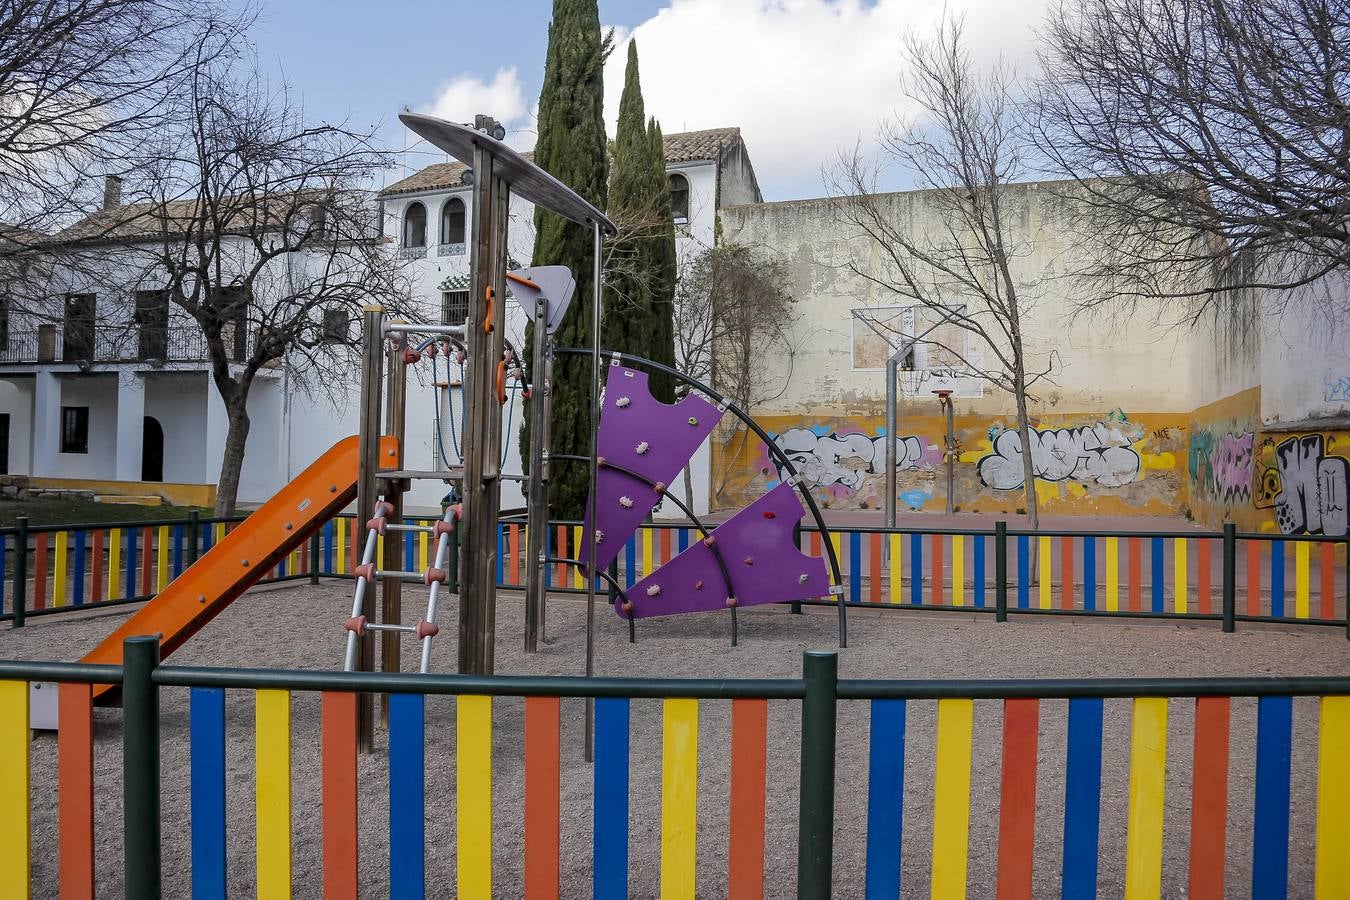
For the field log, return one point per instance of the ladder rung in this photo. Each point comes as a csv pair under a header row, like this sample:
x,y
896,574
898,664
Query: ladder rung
x,y
455,474
382,627
416,528
401,576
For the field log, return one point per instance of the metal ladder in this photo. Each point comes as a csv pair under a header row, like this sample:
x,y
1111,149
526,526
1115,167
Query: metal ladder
x,y
434,577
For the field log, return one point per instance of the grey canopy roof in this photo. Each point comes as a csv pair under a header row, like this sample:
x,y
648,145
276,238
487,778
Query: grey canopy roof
x,y
526,179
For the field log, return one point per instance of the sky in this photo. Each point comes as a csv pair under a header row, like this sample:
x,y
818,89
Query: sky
x,y
803,79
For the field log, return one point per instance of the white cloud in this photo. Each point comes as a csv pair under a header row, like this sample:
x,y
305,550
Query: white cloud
x,y
464,96
802,78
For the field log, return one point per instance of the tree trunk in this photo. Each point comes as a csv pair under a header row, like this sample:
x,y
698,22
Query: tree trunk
x,y
232,459
689,485
1024,437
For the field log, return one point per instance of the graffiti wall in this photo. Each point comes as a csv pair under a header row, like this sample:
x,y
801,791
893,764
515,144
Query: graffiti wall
x,y
1261,480
1109,463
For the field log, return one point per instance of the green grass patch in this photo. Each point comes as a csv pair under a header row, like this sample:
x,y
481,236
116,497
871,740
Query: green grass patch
x,y
68,512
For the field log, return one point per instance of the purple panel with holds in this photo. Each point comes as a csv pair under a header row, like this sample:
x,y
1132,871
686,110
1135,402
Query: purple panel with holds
x,y
761,557
643,435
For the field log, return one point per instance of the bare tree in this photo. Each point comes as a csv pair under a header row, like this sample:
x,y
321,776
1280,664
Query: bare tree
x,y
965,147
82,82
1198,127
732,314
253,225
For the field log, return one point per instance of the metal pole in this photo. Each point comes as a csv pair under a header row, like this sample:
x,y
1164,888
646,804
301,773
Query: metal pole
x,y
949,455
1000,571
1229,577
597,276
891,365
20,569
815,824
140,768
536,525
372,389
314,558
391,609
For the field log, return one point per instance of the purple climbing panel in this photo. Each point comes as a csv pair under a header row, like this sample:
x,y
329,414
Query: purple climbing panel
x,y
762,561
643,435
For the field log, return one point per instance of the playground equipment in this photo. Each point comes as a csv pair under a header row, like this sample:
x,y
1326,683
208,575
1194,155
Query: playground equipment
x,y
244,556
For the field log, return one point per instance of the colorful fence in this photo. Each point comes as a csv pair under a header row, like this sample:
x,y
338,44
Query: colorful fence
x,y
1016,718
1226,576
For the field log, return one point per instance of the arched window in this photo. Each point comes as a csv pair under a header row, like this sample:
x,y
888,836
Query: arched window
x,y
415,225
679,197
452,221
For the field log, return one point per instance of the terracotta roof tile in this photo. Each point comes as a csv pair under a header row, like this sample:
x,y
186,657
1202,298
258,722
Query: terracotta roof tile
x,y
685,146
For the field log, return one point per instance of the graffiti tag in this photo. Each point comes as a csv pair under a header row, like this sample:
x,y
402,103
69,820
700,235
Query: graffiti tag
x,y
1312,499
1098,454
1222,469
1337,389
845,459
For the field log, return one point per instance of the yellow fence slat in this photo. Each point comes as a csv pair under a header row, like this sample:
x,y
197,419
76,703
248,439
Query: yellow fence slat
x,y
679,799
115,578
1333,800
951,799
272,736
1179,575
15,834
473,786
893,590
1301,551
958,570
60,552
1044,548
1113,574
1148,773
162,559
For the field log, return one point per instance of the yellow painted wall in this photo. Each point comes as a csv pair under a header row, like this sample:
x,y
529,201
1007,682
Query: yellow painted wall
x,y
1107,463
1261,479
177,494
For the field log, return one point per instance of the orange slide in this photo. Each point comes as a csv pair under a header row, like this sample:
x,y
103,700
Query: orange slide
x,y
245,555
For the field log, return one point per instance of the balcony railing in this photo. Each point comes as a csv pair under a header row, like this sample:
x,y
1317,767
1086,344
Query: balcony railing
x,y
113,344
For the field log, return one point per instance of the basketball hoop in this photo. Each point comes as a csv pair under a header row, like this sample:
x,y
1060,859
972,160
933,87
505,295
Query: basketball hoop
x,y
942,393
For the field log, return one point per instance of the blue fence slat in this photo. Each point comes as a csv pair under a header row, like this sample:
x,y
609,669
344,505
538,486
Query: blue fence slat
x,y
978,582
208,536
885,796
610,845
1023,572
1270,833
854,567
1277,578
131,535
78,573
684,539
630,562
177,550
407,803
206,734
328,531
1156,557
410,553
1082,800
916,569
1089,573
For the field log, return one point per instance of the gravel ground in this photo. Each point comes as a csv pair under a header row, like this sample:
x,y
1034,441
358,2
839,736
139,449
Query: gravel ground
x,y
276,627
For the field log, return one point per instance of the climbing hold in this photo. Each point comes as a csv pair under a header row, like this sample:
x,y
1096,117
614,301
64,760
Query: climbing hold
x,y
653,590
770,514
698,585
622,402
626,502
643,447
801,579
693,421
599,536
749,560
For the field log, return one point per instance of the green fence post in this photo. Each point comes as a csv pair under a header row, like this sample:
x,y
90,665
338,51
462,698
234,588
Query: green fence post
x,y
1229,577
614,581
194,535
1000,571
20,569
815,834
314,556
140,768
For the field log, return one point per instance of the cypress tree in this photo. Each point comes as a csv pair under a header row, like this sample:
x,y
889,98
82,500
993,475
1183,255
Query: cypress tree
x,y
627,325
571,147
660,263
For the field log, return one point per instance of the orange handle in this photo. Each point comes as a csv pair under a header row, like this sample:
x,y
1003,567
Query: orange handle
x,y
491,311
501,382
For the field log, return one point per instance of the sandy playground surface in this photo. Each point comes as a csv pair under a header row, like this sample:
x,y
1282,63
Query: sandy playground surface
x,y
277,628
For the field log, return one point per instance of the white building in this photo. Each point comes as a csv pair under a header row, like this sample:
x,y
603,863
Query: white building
x,y
122,403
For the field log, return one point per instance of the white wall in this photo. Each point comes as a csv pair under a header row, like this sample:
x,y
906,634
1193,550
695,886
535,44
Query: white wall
x,y
99,393
178,402
1305,354
16,400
